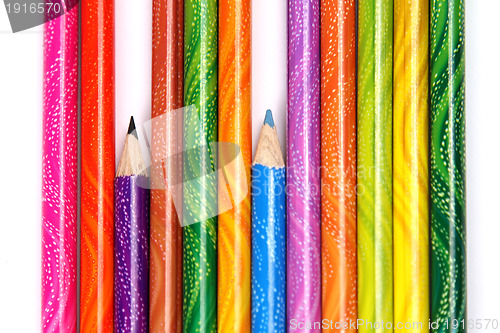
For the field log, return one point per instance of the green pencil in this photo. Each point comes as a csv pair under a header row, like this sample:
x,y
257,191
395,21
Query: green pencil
x,y
448,280
200,164
375,269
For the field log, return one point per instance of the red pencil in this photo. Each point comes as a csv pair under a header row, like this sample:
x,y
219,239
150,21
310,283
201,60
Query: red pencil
x,y
97,166
166,235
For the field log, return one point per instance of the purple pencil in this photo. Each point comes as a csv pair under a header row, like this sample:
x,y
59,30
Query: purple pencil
x,y
59,174
131,271
303,163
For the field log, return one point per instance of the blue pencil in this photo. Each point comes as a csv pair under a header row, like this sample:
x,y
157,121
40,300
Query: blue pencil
x,y
268,233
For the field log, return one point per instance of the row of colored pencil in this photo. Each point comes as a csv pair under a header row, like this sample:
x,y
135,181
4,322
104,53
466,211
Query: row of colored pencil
x,y
357,187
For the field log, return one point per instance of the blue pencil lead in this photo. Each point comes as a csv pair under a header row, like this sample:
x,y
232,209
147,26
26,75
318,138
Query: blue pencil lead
x,y
269,119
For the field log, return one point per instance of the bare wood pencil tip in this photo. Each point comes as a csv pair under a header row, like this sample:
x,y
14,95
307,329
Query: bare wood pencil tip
x,y
131,161
268,152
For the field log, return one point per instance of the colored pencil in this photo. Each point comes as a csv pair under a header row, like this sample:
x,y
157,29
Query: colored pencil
x,y
59,173
375,273
131,287
200,165
165,279
235,127
410,174
268,233
448,252
338,162
97,166
303,163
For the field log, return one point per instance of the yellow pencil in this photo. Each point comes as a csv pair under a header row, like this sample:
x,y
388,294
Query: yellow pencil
x,y
411,221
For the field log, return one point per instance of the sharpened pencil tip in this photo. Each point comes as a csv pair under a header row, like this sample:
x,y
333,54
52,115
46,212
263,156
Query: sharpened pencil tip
x,y
131,127
268,152
131,162
269,119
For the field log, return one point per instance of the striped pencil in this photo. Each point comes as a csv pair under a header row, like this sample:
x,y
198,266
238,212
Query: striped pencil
x,y
131,285
410,174
303,163
165,277
375,270
448,280
98,166
59,174
200,165
338,162
235,126
268,233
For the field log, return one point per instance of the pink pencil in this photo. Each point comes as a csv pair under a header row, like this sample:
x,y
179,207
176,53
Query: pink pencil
x,y
303,165
59,174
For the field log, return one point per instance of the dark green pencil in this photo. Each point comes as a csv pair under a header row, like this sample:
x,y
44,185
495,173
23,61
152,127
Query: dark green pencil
x,y
200,165
447,79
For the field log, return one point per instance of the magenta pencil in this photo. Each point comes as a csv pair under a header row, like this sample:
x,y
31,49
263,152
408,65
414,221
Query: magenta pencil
x,y
303,165
59,174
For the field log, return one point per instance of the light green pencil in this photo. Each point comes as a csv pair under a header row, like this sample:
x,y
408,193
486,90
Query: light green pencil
x,y
375,59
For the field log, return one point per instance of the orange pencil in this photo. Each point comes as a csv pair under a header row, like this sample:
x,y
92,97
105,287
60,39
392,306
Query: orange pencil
x,y
97,166
165,277
338,163
234,270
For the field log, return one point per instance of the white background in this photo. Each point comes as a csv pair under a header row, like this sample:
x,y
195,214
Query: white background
x,y
20,140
